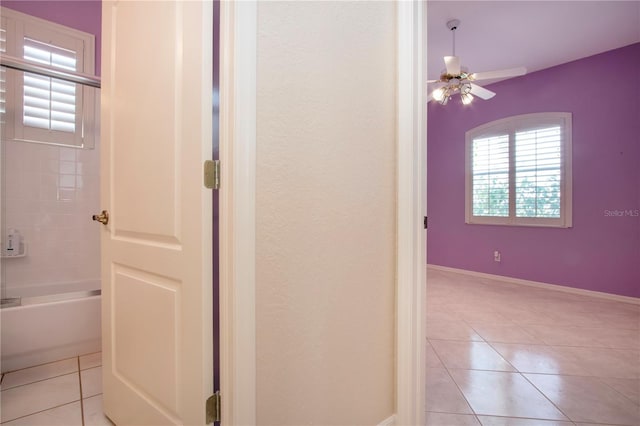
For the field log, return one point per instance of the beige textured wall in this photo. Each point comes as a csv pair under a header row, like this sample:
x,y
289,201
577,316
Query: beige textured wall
x,y
325,212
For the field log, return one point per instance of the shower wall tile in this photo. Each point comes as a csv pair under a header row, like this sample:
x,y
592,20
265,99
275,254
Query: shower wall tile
x,y
49,194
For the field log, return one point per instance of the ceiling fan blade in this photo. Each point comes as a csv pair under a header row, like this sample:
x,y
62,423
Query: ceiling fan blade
x,y
453,64
487,75
481,92
432,81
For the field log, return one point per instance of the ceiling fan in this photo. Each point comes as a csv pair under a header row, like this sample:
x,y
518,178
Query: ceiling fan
x,y
456,79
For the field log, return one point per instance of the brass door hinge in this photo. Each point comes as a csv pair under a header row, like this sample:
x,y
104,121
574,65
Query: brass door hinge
x,y
213,408
212,174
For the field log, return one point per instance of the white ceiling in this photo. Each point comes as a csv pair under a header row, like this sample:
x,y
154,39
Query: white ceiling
x,y
535,34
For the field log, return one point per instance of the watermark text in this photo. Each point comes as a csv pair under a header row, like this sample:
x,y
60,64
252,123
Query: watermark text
x,y
622,213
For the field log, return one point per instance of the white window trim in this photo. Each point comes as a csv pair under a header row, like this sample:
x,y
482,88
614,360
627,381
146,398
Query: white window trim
x,y
510,125
18,25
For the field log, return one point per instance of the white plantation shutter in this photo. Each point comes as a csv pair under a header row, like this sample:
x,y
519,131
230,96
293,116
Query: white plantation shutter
x,y
538,172
43,109
49,103
519,171
491,176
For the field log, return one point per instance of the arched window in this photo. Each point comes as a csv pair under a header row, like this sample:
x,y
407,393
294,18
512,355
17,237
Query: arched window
x,y
518,171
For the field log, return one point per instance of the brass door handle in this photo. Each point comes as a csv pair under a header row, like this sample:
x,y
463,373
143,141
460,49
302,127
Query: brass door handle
x,y
103,217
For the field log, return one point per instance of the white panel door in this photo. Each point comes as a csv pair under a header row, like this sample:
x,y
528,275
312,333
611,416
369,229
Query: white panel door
x,y
156,126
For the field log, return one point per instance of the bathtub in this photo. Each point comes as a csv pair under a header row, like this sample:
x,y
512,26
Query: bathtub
x,y
49,327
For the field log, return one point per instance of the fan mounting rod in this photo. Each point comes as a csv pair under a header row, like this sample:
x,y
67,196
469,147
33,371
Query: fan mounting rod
x,y
453,26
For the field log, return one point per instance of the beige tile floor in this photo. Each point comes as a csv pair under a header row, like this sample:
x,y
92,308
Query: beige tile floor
x,y
501,354
62,393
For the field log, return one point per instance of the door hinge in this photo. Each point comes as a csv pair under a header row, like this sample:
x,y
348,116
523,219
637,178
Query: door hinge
x,y
426,222
212,174
213,408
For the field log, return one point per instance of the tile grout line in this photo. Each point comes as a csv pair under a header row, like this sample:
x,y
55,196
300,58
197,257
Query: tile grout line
x,y
77,371
456,384
570,324
81,398
601,380
42,411
39,365
517,370
545,395
37,381
596,378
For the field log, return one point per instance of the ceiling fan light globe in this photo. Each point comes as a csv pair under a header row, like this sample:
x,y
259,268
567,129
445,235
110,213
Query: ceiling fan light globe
x,y
467,98
438,94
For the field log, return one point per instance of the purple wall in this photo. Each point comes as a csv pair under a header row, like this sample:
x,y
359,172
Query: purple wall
x,y
602,251
82,15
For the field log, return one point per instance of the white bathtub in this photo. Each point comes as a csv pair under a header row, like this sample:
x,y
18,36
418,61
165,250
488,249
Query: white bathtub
x,y
47,328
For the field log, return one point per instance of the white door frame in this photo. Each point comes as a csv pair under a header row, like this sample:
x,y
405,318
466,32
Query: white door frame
x,y
411,208
238,59
238,39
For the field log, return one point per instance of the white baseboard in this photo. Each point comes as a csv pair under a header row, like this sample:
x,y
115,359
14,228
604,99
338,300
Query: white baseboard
x,y
391,421
599,294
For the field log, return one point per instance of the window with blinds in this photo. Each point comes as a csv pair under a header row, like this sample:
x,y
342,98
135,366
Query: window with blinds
x,y
49,103
491,176
538,172
519,171
43,109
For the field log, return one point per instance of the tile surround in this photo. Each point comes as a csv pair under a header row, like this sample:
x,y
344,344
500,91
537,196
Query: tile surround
x,y
49,194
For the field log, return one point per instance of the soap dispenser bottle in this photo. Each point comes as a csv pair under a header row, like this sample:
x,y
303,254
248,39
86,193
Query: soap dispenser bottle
x,y
12,247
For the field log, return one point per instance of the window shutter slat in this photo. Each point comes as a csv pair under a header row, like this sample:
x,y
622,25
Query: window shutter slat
x,y
33,121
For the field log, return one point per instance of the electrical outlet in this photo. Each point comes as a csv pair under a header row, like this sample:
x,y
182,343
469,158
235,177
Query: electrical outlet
x,y
496,256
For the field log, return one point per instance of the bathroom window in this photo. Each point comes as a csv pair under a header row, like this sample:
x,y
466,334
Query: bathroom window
x,y
44,109
518,171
